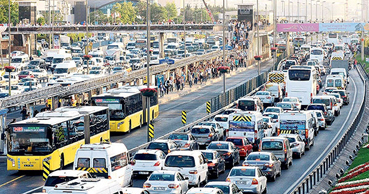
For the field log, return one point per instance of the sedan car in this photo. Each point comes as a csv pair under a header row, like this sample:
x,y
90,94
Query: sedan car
x,y
24,74
216,163
204,134
267,162
286,105
218,128
205,191
164,145
228,150
294,100
145,162
243,144
185,141
166,182
273,116
273,109
226,187
344,96
266,98
39,73
249,179
296,143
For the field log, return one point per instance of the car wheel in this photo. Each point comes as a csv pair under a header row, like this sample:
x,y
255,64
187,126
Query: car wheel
x,y
265,190
198,183
300,155
312,143
287,166
238,159
224,168
206,180
280,171
217,173
273,178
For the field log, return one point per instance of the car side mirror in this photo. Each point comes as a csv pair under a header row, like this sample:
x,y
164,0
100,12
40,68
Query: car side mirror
x,y
186,178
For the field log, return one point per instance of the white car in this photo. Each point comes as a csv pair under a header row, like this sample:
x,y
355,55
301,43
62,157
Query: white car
x,y
296,143
294,100
265,97
131,190
166,182
38,73
33,84
273,116
204,191
273,109
217,127
249,179
61,176
338,97
222,120
145,162
15,89
271,129
226,187
321,120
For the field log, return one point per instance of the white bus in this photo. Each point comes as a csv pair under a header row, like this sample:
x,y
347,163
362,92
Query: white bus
x,y
317,53
301,83
108,160
333,38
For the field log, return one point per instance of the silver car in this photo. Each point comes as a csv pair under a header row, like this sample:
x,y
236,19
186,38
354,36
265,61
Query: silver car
x,y
248,179
267,162
166,182
296,143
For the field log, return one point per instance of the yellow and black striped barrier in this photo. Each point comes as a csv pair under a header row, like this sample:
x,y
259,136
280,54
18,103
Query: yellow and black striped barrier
x,y
93,170
276,77
184,117
208,107
151,131
336,58
242,118
289,132
46,169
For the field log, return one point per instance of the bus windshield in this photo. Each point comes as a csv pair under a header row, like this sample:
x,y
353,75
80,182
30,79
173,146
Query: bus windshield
x,y
30,139
299,75
316,52
61,70
115,107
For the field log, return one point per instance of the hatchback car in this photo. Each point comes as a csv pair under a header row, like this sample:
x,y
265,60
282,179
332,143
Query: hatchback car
x,y
296,143
204,134
294,100
267,162
145,162
217,127
249,179
166,182
328,115
166,146
185,141
286,106
266,97
344,96
243,144
228,150
216,163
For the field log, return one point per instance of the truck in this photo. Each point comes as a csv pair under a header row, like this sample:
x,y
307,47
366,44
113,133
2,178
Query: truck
x,y
278,77
112,56
64,41
340,64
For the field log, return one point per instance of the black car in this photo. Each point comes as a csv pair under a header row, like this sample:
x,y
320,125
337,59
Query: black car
x,y
204,134
344,96
166,146
216,163
328,116
226,149
185,141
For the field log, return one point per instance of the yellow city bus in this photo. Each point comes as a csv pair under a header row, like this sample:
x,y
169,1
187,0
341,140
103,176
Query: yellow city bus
x,y
54,136
127,107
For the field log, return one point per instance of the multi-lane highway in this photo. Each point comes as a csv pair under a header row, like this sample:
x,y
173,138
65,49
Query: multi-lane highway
x,y
168,120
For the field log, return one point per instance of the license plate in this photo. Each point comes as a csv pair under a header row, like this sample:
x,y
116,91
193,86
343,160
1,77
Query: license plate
x,y
143,172
241,182
159,188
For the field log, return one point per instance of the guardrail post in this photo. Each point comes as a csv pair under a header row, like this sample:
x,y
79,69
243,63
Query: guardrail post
x,y
303,187
311,181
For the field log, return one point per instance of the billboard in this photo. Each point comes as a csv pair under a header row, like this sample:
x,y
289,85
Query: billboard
x,y
313,27
322,27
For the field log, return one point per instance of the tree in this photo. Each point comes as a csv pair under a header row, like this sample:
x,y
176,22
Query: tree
x,y
126,12
41,20
14,12
171,11
98,17
158,13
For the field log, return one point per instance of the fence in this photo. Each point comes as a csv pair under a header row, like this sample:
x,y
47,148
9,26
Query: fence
x,y
234,94
306,184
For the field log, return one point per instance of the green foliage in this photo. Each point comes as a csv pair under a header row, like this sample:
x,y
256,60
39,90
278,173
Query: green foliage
x,y
78,37
41,20
157,13
171,10
126,11
98,17
4,11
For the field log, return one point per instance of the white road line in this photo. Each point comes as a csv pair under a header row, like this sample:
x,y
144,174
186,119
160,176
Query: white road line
x,y
30,191
326,149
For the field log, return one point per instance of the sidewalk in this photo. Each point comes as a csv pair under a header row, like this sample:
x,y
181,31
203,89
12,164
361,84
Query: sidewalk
x,y
177,94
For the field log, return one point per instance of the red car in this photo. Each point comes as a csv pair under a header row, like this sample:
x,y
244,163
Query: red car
x,y
243,144
25,74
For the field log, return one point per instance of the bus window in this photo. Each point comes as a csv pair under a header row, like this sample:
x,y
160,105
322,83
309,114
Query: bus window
x,y
330,83
118,161
99,163
299,75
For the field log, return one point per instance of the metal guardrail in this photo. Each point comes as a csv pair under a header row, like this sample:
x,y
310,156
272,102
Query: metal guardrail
x,y
309,181
108,28
51,91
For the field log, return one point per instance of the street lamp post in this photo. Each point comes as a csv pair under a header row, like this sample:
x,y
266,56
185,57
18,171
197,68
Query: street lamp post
x,y
332,10
316,11
224,59
87,40
298,11
306,11
258,38
148,66
322,10
184,28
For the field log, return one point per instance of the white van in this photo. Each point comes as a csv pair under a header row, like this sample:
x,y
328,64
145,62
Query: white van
x,y
298,122
95,61
247,124
20,61
335,81
61,176
317,53
65,69
191,164
61,58
88,186
342,72
108,160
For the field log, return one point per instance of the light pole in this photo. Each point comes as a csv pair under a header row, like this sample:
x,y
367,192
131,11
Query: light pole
x,y
298,11
184,28
148,65
322,10
10,40
311,14
306,11
316,10
332,10
224,59
87,40
258,38
275,29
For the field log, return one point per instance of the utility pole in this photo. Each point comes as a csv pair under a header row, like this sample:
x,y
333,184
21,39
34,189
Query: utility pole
x,y
306,11
50,23
258,37
9,47
87,39
184,29
148,66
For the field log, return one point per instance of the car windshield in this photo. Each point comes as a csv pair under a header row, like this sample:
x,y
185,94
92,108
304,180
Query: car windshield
x,y
316,52
342,93
178,137
237,142
58,60
208,155
158,145
179,161
242,172
53,180
29,83
218,146
262,93
272,145
246,104
284,105
161,177
291,139
266,120
315,107
224,188
61,70
24,73
273,116
200,130
221,119
16,60
145,156
262,157
289,100
95,72
34,62
117,68
276,110
322,101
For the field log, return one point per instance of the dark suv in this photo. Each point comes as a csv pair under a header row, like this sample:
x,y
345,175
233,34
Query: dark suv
x,y
344,96
328,115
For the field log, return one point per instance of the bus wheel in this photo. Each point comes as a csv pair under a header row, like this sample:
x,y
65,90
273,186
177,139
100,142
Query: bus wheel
x,y
62,162
140,121
153,116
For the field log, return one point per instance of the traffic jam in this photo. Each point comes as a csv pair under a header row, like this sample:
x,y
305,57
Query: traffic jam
x,y
254,141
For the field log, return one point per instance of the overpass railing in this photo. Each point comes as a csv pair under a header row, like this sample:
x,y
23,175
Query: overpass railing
x,y
52,91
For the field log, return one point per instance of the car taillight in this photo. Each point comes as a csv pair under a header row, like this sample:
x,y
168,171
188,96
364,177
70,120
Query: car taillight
x,y
269,97
255,108
286,94
325,113
296,104
269,165
147,185
321,119
157,163
211,164
109,177
331,105
306,133
227,154
186,145
210,135
193,172
133,162
254,181
173,186
245,164
228,180
278,131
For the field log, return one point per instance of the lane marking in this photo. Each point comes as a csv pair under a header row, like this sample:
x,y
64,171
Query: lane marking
x,y
11,181
30,191
308,171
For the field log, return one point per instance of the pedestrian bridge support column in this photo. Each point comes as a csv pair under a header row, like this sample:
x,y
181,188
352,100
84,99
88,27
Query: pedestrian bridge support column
x,y
161,44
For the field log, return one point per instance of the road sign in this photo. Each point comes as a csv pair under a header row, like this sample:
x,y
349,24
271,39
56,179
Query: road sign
x,y
184,117
151,131
46,170
208,107
166,60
